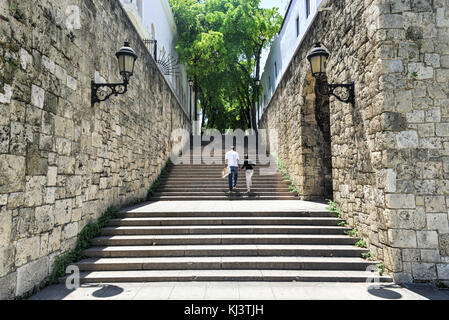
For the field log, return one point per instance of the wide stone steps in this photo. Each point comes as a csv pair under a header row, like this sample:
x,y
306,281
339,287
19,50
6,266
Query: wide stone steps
x,y
223,193
256,173
197,180
229,275
205,166
213,243
214,172
221,229
241,186
215,189
193,221
224,197
240,214
216,239
303,245
217,178
224,251
187,183
234,262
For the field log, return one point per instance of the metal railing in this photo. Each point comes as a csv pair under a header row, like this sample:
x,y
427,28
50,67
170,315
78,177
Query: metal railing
x,y
152,46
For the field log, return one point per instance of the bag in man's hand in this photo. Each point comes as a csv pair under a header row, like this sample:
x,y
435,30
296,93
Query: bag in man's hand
x,y
224,173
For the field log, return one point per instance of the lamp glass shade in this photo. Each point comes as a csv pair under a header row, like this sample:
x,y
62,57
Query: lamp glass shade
x,y
318,65
318,59
126,60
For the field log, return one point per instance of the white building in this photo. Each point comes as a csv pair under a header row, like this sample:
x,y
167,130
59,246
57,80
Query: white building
x,y
298,18
154,20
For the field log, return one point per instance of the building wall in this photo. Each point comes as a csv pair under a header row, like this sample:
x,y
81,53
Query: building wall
x,y
63,161
154,20
285,45
390,163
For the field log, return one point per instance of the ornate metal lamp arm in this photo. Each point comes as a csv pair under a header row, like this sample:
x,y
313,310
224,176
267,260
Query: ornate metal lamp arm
x,y
343,92
98,95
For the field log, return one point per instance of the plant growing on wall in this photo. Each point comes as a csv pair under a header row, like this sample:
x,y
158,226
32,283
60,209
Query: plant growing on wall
x,y
334,208
84,240
155,185
284,172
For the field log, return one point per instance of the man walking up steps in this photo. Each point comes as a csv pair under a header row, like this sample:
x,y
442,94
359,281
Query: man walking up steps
x,y
232,159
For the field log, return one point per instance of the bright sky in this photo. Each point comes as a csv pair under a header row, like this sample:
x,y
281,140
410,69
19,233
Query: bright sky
x,y
281,4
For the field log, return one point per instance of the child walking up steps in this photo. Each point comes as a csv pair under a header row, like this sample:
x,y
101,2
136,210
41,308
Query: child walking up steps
x,y
248,165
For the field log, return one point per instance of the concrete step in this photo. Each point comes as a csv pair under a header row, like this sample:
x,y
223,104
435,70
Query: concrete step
x,y
217,171
225,251
221,193
217,174
233,229
211,214
202,189
217,178
234,262
203,166
272,239
232,197
210,171
228,275
224,221
206,189
260,182
241,185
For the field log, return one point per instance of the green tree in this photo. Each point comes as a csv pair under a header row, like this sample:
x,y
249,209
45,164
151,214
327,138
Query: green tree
x,y
221,42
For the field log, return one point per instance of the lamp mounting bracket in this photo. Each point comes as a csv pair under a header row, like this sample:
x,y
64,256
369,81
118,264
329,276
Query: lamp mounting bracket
x,y
344,92
102,91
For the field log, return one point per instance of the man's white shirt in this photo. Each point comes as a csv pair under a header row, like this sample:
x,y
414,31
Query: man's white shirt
x,y
232,157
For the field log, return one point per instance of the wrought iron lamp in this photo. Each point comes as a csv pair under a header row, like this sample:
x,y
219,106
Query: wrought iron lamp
x,y
102,91
318,59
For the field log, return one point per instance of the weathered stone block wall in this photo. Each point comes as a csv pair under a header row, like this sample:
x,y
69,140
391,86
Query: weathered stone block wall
x,y
389,150
415,84
63,162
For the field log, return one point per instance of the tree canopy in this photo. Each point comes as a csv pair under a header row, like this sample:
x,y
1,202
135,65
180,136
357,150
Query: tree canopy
x,y
221,43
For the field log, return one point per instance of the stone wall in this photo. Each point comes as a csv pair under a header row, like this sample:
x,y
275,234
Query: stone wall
x,y
390,151
62,161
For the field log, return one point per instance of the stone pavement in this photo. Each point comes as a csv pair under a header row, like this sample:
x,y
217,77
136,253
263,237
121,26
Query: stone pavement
x,y
242,291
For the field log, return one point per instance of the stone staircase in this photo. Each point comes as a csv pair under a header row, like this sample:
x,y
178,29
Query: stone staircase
x,y
210,243
204,182
224,246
